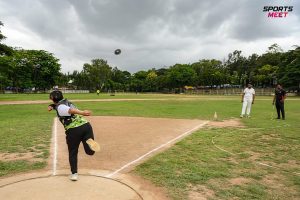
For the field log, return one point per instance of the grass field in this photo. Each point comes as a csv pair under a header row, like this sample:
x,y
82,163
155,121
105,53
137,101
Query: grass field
x,y
193,166
33,97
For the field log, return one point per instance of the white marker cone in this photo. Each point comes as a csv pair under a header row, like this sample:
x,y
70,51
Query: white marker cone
x,y
215,116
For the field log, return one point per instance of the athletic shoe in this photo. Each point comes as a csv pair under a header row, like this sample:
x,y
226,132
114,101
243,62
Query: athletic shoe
x,y
74,177
94,146
241,116
248,116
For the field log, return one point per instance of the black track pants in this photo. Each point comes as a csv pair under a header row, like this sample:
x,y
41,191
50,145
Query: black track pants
x,y
280,108
74,137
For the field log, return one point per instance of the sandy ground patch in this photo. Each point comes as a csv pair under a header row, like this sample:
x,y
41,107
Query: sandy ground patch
x,y
20,156
226,123
122,140
200,192
239,181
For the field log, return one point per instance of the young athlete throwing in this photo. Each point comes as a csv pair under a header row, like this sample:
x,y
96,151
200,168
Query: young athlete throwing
x,y
77,129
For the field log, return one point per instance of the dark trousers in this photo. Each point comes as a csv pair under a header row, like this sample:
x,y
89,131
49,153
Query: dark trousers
x,y
74,137
280,108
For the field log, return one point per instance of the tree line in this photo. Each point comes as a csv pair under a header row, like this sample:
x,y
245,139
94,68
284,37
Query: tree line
x,y
22,69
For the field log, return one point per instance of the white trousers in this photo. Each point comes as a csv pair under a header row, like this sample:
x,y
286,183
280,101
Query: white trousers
x,y
246,104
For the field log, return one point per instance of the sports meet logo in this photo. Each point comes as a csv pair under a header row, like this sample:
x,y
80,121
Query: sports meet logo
x,y
278,11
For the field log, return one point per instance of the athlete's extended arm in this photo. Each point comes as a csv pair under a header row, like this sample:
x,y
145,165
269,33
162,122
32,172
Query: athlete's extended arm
x,y
80,112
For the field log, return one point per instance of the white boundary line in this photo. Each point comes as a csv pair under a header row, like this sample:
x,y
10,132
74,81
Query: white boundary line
x,y
54,129
156,149
212,140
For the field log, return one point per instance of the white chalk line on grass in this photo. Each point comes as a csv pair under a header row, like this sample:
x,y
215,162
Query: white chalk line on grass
x,y
212,140
157,148
54,135
259,163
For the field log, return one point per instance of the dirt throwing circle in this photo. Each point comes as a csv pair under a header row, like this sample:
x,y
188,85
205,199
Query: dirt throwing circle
x,y
60,187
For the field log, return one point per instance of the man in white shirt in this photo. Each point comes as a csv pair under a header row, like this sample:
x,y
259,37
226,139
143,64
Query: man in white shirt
x,y
247,100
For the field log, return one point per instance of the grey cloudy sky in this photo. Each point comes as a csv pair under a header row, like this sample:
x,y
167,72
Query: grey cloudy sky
x,y
151,33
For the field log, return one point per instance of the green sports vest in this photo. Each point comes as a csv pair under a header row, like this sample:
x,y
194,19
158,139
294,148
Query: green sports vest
x,y
72,121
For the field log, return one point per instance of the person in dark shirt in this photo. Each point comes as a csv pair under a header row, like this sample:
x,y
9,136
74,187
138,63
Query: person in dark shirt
x,y
279,98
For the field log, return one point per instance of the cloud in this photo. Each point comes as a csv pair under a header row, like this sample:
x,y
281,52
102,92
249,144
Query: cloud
x,y
151,33
249,22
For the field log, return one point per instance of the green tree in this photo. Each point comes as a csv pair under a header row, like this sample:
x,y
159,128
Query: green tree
x,y
138,82
98,73
151,80
162,80
274,48
289,69
31,68
251,67
120,78
237,63
4,72
266,75
271,57
45,69
181,75
4,49
62,79
210,72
